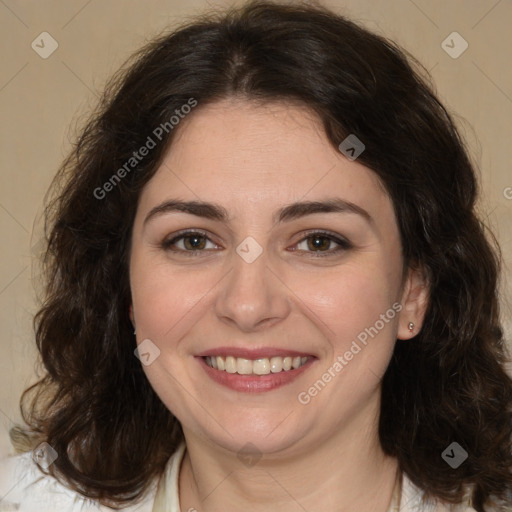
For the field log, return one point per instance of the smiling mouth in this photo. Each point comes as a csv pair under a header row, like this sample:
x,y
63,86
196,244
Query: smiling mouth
x,y
262,366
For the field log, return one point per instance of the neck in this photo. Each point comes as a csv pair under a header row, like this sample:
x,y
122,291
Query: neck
x,y
346,472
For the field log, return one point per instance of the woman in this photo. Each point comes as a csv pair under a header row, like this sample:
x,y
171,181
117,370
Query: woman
x,y
280,208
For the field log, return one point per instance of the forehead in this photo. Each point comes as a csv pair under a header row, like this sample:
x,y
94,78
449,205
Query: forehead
x,y
242,152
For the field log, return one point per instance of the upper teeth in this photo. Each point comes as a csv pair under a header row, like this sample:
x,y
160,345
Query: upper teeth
x,y
262,366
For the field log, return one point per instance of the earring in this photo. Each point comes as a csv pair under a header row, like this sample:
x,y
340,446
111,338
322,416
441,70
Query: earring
x,y
411,326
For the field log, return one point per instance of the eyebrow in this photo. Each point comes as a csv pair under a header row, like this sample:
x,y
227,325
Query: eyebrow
x,y
287,213
335,205
198,208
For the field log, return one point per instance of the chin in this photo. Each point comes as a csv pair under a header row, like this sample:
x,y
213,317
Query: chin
x,y
259,433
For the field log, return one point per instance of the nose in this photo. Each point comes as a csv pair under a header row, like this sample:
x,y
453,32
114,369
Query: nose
x,y
252,297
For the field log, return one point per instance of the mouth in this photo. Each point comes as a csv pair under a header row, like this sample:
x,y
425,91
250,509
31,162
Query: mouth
x,y
260,366
254,370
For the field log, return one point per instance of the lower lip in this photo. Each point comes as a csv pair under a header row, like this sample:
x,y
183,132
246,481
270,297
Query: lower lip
x,y
253,383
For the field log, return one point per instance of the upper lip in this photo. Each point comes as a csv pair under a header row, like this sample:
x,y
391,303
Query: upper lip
x,y
253,353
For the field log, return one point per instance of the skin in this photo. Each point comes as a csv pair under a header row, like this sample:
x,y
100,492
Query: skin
x,y
253,160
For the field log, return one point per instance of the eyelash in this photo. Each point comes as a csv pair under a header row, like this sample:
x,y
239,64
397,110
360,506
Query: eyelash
x,y
167,244
343,244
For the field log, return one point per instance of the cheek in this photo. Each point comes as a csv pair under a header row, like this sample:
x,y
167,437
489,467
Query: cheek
x,y
351,299
165,297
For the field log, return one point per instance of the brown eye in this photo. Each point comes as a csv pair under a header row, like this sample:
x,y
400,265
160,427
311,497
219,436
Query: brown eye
x,y
194,242
189,242
318,242
322,244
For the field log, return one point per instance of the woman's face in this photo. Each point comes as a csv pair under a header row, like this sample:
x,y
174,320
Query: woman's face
x,y
291,256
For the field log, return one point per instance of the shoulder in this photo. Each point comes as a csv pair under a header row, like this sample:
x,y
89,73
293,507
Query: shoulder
x,y
24,488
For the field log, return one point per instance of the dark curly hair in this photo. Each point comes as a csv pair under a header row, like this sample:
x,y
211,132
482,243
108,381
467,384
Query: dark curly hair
x,y
94,404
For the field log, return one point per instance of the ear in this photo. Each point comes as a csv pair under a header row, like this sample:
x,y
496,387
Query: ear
x,y
415,298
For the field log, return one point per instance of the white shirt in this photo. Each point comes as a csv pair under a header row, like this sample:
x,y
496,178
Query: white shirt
x,y
24,488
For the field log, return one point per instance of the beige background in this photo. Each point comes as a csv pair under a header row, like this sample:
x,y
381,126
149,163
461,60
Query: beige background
x,y
42,99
